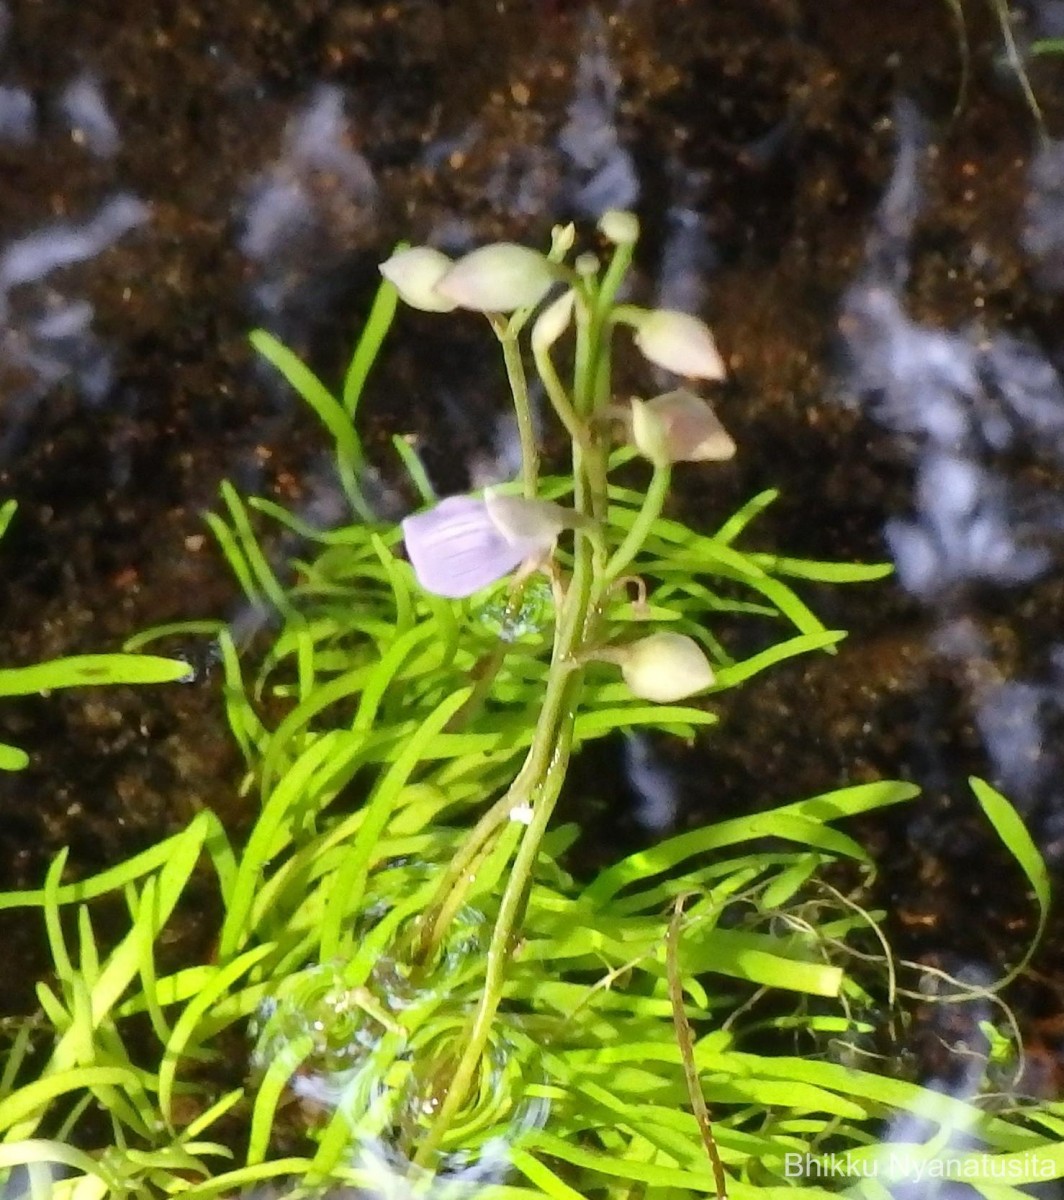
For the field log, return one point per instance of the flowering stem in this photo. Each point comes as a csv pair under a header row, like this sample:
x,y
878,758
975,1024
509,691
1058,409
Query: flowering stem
x,y
547,763
645,518
603,327
544,769
515,373
558,395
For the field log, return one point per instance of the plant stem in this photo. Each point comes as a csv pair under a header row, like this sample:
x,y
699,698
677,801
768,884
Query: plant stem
x,y
548,760
543,772
685,1040
515,373
641,526
558,396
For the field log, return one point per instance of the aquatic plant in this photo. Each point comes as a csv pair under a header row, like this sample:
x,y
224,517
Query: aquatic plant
x,y
435,1001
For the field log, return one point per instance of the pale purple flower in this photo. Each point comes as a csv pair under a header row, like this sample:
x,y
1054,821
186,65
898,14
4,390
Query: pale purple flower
x,y
456,548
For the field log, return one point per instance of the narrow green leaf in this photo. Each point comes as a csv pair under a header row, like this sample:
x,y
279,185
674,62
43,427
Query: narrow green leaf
x,y
91,670
185,1028
12,758
823,572
542,1176
349,457
736,673
266,579
1009,826
31,1101
7,511
415,469
375,330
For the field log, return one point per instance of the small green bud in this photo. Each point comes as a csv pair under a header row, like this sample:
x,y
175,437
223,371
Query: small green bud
x,y
498,279
587,264
414,273
619,227
562,238
679,343
679,427
664,667
552,322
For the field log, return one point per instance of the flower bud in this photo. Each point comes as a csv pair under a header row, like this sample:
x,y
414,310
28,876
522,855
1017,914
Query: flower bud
x,y
678,342
619,227
414,273
679,427
552,322
664,667
650,436
562,238
498,279
586,264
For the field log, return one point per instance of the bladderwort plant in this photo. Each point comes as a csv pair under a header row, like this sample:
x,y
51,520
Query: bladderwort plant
x,y
406,991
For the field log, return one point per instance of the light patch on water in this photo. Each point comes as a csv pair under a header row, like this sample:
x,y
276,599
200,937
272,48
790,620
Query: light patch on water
x,y
687,260
314,202
943,1130
64,244
958,402
601,172
84,108
1018,721
18,115
654,784
1010,717
1043,231
47,335
503,462
957,399
962,532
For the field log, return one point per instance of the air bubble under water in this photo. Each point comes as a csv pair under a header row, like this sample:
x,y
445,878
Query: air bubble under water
x,y
378,1058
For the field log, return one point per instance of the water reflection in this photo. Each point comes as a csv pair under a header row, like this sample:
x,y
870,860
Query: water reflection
x,y
968,407
601,172
18,115
310,206
84,108
47,336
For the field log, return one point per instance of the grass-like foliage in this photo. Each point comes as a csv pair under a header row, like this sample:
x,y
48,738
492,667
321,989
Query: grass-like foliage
x,y
406,989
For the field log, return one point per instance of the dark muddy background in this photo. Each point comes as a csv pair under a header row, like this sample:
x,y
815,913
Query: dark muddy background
x,y
877,240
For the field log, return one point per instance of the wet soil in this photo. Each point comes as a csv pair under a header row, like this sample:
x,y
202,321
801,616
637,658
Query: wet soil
x,y
755,140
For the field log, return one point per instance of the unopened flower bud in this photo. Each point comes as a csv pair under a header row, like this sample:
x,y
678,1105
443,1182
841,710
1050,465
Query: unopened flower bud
x,y
553,321
679,427
414,273
562,238
619,227
664,667
678,342
586,264
498,279
649,434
